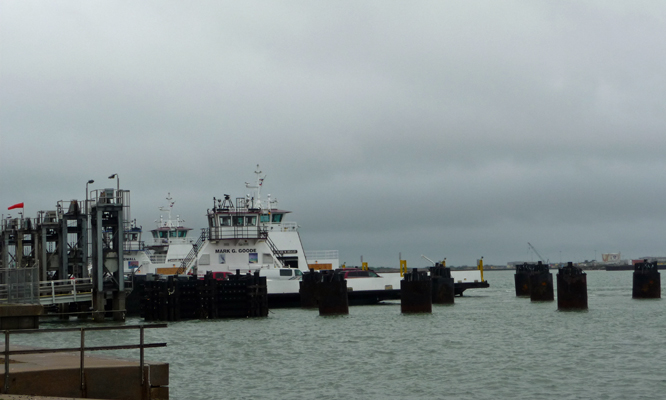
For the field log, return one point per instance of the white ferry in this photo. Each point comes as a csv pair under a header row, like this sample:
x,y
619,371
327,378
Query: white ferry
x,y
247,235
170,244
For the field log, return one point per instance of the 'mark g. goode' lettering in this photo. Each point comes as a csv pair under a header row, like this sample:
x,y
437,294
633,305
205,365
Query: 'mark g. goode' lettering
x,y
217,251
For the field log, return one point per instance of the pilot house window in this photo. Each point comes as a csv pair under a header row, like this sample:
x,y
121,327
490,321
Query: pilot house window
x,y
251,220
277,218
238,221
225,220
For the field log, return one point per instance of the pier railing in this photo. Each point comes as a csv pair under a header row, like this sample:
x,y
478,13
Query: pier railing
x,y
82,348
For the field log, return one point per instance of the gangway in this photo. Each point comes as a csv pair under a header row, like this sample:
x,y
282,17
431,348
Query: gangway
x,y
65,291
55,292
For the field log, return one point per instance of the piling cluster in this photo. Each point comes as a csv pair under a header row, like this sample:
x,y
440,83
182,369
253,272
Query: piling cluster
x,y
325,290
571,288
443,286
647,281
416,292
541,283
536,281
175,298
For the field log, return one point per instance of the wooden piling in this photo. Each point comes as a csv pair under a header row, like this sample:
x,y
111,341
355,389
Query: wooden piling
x,y
571,288
647,281
416,293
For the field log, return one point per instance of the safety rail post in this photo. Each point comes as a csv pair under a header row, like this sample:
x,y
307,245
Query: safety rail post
x,y
141,355
52,292
82,373
6,388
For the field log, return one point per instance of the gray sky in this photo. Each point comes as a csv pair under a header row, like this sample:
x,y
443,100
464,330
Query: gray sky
x,y
453,129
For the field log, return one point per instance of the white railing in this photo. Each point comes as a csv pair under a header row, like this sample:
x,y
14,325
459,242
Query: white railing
x,y
65,291
288,226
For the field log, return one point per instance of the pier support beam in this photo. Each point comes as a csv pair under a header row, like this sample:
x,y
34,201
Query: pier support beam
x,y
416,293
118,306
571,288
647,281
98,305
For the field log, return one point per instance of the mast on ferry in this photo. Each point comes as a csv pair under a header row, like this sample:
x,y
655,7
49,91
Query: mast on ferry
x,y
167,209
256,200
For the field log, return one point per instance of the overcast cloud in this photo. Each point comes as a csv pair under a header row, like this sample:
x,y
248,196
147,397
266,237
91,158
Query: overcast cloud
x,y
454,129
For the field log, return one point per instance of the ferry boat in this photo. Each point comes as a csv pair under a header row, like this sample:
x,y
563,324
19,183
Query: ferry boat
x,y
247,235
171,242
251,235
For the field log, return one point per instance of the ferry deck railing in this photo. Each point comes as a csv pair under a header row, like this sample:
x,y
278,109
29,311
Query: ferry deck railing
x,y
82,348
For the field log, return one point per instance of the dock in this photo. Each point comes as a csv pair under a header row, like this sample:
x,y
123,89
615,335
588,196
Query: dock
x,y
75,373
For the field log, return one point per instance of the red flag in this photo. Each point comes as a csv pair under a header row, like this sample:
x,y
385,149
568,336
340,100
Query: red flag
x,y
17,205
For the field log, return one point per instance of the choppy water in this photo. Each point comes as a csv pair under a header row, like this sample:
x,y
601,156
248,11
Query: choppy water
x,y
489,345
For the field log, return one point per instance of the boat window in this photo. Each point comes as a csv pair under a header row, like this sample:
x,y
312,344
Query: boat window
x,y
238,220
277,218
265,218
172,233
298,272
285,272
154,235
372,274
182,233
251,220
163,234
225,220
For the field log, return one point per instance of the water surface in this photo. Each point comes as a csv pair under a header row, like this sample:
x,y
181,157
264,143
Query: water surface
x,y
489,345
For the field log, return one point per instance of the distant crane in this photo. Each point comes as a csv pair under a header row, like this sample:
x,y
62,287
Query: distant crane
x,y
537,253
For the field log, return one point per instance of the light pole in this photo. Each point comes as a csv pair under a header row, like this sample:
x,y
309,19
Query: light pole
x,y
88,183
118,186
84,272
